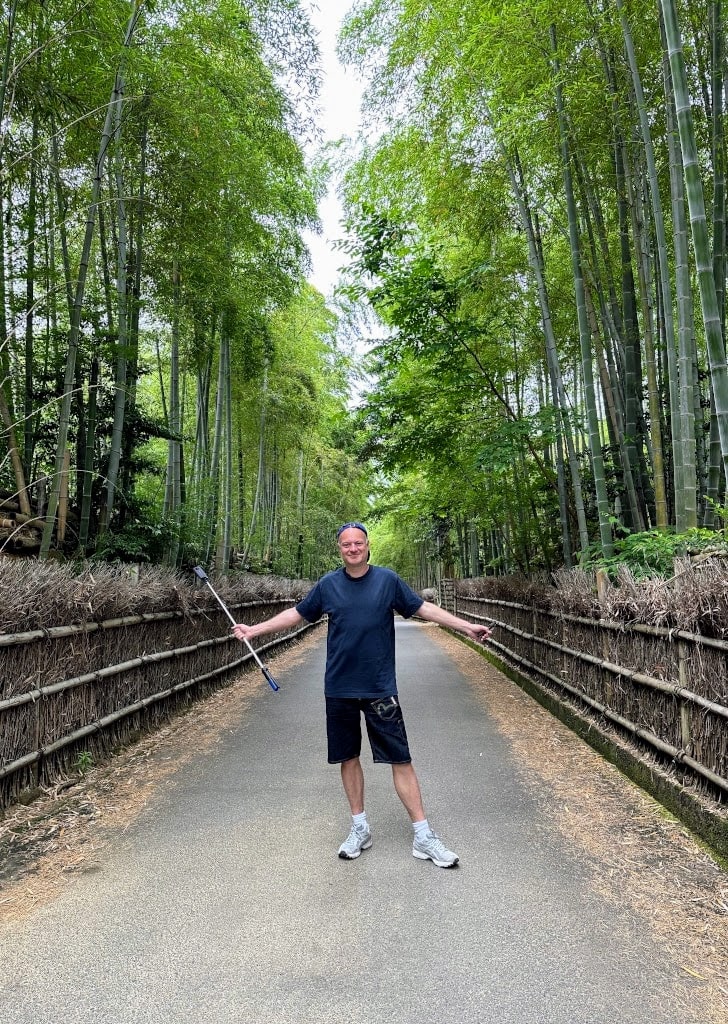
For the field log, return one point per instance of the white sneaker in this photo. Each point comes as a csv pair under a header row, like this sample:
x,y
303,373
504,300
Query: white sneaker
x,y
431,847
360,838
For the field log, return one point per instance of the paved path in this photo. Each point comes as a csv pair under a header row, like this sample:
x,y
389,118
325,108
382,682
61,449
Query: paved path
x,y
226,902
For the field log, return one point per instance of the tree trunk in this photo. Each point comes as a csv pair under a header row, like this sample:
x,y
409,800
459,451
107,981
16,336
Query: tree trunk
x,y
15,459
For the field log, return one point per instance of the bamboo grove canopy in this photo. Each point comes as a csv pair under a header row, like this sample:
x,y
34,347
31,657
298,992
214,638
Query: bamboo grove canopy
x,y
538,218
535,214
172,389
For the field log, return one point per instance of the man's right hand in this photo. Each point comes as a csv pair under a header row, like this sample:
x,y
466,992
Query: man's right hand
x,y
287,619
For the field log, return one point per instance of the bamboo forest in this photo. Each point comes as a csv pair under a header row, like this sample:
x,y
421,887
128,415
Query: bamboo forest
x,y
523,366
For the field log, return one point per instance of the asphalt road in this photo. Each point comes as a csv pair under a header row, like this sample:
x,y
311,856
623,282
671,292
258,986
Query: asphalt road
x,y
225,902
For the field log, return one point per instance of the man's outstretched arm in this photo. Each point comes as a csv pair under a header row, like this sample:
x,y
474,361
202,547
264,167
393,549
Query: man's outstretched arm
x,y
283,620
433,613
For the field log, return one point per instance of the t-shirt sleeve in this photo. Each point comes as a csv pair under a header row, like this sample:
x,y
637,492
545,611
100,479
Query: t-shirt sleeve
x,y
311,607
406,602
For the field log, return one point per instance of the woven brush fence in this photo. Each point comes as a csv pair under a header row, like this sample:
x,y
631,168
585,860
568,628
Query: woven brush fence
x,y
665,688
133,649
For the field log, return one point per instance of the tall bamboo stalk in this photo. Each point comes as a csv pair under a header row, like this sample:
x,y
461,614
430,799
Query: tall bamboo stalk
x,y
643,246
698,222
257,501
718,81
686,516
135,308
218,441
88,465
662,268
174,450
75,327
554,364
222,557
29,389
120,383
595,442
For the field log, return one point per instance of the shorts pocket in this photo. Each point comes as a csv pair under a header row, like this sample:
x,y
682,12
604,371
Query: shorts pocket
x,y
386,708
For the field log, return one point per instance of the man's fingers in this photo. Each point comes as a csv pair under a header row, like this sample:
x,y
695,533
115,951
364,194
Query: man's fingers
x,y
482,634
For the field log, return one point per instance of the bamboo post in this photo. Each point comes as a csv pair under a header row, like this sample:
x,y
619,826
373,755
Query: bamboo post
x,y
602,586
41,495
602,590
36,739
63,500
685,725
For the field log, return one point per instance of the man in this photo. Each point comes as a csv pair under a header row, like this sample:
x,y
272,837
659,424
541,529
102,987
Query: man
x,y
360,601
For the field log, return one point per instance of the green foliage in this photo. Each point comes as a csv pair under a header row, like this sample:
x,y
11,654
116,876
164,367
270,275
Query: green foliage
x,y
456,440
84,762
142,538
443,409
465,94
653,552
203,174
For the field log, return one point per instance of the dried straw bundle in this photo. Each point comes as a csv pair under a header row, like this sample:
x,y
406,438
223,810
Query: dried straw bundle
x,y
535,591
694,599
38,595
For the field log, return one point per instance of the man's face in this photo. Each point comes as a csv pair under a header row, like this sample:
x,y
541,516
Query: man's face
x,y
354,548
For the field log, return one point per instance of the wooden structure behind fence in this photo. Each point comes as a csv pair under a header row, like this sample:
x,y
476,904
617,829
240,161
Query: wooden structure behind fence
x,y
664,688
93,686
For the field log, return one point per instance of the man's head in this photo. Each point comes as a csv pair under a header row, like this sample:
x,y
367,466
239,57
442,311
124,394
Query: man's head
x,y
353,542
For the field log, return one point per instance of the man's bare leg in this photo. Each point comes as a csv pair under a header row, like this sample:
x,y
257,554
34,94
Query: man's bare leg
x,y
360,837
352,777
408,790
426,845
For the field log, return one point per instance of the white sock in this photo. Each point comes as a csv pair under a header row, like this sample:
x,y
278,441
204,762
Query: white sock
x,y
360,820
421,827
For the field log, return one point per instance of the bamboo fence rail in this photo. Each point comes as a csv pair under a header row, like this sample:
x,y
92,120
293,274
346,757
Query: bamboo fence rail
x,y
94,686
666,688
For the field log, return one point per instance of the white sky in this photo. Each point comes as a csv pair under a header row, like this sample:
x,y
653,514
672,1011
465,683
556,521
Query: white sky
x,y
340,102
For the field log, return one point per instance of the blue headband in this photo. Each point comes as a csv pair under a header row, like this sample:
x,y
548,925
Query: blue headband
x,y
352,526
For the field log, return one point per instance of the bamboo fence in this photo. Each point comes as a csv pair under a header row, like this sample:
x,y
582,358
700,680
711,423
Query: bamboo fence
x,y
96,685
667,689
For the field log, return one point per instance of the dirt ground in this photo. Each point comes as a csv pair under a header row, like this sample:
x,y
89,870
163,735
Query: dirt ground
x,y
637,854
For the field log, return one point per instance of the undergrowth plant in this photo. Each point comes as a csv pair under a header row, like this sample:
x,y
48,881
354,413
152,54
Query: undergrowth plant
x,y
653,552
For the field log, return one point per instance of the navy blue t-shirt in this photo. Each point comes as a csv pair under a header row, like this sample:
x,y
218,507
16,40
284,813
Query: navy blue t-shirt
x,y
360,645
